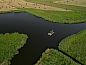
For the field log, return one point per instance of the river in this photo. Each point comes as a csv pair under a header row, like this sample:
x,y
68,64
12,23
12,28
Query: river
x,y
37,30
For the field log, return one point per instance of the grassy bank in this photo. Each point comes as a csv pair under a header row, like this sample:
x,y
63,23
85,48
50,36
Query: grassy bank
x,y
75,46
47,9
72,47
55,16
54,57
59,16
76,15
9,45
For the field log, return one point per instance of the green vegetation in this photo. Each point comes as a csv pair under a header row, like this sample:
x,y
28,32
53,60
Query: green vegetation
x,y
48,9
9,45
77,15
54,57
75,46
59,16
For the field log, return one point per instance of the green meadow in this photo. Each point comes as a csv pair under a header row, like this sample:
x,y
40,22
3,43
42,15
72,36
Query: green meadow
x,y
75,46
59,16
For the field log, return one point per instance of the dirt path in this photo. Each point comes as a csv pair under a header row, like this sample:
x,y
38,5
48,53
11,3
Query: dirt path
x,y
6,5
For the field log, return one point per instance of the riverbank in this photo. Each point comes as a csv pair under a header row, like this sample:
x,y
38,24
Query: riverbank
x,y
70,17
75,46
55,13
70,50
29,24
76,15
9,45
54,57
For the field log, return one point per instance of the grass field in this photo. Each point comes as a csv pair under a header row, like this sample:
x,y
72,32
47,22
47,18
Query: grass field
x,y
54,57
9,45
59,16
76,15
75,46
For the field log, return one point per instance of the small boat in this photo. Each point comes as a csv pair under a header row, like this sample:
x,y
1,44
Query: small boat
x,y
51,33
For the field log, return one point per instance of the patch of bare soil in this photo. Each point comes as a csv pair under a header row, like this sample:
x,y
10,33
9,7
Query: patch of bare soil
x,y
7,5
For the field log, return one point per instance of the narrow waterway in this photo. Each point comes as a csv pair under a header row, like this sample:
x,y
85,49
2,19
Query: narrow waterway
x,y
37,29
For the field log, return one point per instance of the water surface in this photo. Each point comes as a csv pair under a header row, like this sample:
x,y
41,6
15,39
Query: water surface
x,y
37,29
